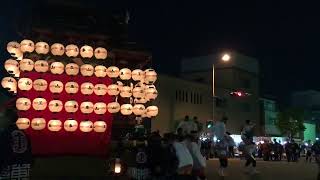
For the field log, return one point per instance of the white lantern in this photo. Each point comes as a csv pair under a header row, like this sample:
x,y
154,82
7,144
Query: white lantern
x,y
41,66
100,89
100,71
14,49
100,126
87,88
54,125
42,48
55,106
12,67
137,75
56,87
86,51
26,65
10,84
38,123
71,106
113,72
86,126
87,70
150,76
113,90
151,92
57,68
126,109
70,125
100,108
57,49
39,104
152,111
100,53
138,109
72,87
23,104
113,107
126,91
26,46
72,50
125,74
86,107
141,100
23,123
138,92
72,69
25,84
40,85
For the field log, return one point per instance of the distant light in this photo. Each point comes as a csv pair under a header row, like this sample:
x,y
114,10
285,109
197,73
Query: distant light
x,y
214,139
284,142
226,57
262,142
209,125
306,144
317,139
239,93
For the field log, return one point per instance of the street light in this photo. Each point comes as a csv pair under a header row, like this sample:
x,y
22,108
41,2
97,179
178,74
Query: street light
x,y
226,57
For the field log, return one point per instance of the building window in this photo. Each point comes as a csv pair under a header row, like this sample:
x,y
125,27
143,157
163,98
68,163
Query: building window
x,y
191,97
200,99
194,98
182,96
187,96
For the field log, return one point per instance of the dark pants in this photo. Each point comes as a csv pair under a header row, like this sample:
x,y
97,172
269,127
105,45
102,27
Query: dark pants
x,y
251,160
308,156
231,152
223,162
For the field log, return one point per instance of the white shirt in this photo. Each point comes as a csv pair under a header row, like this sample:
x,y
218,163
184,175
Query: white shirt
x,y
188,126
219,130
183,154
198,160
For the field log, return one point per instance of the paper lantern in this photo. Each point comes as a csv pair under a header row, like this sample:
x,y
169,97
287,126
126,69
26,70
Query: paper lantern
x,y
39,104
57,49
71,106
26,65
100,126
38,123
141,100
56,87
100,53
26,46
126,91
87,88
86,126
42,48
70,125
150,76
40,85
23,104
72,69
41,66
113,72
12,67
25,84
86,107
57,68
55,106
72,87
113,90
126,109
152,111
120,85
14,49
151,92
100,108
54,125
72,50
87,70
23,123
138,92
100,89
100,71
138,109
125,74
137,75
113,107
86,51
10,84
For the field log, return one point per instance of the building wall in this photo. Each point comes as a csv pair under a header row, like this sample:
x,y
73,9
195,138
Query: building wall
x,y
269,117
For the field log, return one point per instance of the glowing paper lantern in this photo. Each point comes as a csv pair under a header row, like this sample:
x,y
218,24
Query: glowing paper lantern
x,y
42,48
100,108
26,46
72,69
99,126
138,109
100,71
86,107
39,104
120,85
150,76
137,75
72,87
23,123
113,107
41,66
113,72
126,109
126,91
70,125
141,100
100,53
23,104
40,85
38,123
71,106
72,50
55,106
57,49
10,84
14,49
54,125
125,74
113,90
87,88
56,87
86,51
12,67
151,92
152,111
86,126
26,65
57,68
87,70
100,89
138,92
25,84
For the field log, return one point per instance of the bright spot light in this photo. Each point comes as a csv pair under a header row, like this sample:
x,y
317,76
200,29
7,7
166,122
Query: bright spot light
x,y
262,142
239,93
214,139
226,57
306,144
317,139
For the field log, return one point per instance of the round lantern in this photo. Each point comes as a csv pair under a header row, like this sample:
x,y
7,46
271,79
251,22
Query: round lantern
x,y
151,92
113,72
100,89
57,68
41,66
26,65
113,90
138,92
150,76
141,100
38,123
56,86
86,126
72,50
25,84
10,84
113,107
40,85
70,125
100,71
126,109
100,126
126,91
137,75
138,109
152,111
100,53
14,49
54,125
55,106
42,48
87,88
72,87
100,108
23,123
125,74
86,70
12,67
120,85
86,51
26,46
39,104
71,106
23,104
86,107
57,49
72,69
